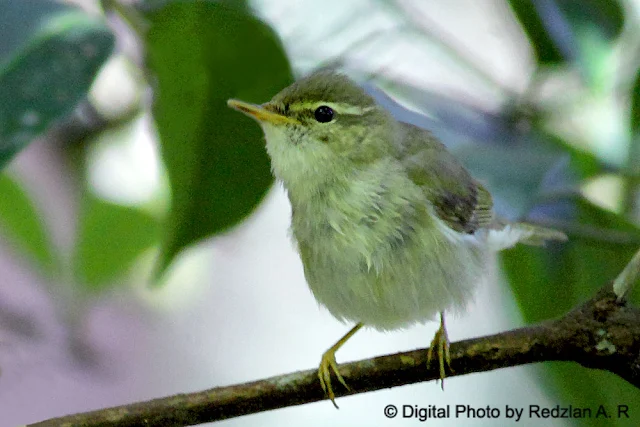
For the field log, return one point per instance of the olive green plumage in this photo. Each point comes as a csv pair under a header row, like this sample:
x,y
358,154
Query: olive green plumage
x,y
390,227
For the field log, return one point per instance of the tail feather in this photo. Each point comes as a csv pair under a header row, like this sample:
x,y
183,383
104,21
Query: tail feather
x,y
535,235
507,235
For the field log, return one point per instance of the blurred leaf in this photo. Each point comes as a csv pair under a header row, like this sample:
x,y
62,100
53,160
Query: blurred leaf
x,y
533,164
549,281
49,56
467,130
21,224
595,23
583,163
545,49
202,54
566,30
605,17
110,238
574,270
452,120
151,6
635,106
518,182
631,199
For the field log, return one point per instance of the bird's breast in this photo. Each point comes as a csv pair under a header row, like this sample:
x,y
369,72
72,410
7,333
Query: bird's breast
x,y
373,253
362,221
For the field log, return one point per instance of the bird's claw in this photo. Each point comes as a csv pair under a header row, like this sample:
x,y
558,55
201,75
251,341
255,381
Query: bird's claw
x,y
440,344
328,364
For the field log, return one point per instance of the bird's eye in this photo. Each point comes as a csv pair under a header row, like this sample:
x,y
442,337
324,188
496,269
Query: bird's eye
x,y
323,114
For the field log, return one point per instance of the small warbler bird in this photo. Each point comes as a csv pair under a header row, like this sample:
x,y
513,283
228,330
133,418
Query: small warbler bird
x,y
392,230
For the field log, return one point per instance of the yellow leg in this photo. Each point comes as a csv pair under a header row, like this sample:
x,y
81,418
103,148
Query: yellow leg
x,y
440,345
328,363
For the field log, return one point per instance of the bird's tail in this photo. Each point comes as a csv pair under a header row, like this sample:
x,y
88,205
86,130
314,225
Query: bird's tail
x,y
507,235
535,235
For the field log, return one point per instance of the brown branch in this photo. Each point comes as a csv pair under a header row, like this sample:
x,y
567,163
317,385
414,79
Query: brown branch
x,y
603,333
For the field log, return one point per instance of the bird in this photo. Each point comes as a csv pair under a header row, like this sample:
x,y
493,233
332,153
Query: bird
x,y
391,228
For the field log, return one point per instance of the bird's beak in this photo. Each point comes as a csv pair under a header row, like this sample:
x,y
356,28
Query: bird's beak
x,y
259,112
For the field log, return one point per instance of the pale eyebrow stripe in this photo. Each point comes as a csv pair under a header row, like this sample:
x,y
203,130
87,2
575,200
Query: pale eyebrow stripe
x,y
339,107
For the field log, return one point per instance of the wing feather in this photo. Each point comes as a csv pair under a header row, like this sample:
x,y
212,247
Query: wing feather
x,y
458,200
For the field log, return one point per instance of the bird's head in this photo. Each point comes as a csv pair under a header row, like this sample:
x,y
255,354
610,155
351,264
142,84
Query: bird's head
x,y
321,128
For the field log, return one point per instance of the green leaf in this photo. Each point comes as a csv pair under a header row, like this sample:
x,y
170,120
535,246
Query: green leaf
x,y
635,107
110,238
21,225
567,30
151,6
549,281
202,54
545,49
605,17
49,56
596,24
632,181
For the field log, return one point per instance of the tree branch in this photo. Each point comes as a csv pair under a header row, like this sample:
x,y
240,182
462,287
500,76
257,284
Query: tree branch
x,y
603,333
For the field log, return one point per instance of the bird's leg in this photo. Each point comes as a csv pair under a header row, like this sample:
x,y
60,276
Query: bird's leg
x,y
328,363
440,345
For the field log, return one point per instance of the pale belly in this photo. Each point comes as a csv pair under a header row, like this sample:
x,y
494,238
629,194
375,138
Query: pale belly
x,y
389,287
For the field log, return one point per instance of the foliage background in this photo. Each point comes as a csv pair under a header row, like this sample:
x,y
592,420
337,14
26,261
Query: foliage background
x,y
141,176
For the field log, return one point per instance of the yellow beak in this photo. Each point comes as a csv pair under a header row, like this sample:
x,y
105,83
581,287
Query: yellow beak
x,y
259,113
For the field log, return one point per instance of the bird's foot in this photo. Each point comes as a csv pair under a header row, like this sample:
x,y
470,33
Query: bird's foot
x,y
328,364
440,345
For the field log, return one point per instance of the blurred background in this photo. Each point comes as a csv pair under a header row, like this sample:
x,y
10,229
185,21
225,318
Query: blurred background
x,y
144,248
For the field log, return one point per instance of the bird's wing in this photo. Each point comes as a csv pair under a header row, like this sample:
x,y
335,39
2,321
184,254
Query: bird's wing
x,y
458,200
